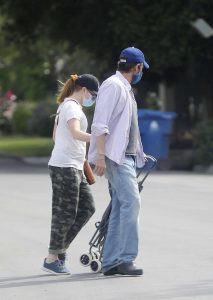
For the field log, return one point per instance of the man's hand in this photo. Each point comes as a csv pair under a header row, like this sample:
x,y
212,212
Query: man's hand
x,y
100,167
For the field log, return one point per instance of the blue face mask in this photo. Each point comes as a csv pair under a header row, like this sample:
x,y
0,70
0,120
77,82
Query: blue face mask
x,y
137,77
87,102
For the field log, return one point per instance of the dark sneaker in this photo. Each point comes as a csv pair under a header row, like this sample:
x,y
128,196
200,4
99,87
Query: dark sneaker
x,y
55,267
124,269
62,257
129,269
111,272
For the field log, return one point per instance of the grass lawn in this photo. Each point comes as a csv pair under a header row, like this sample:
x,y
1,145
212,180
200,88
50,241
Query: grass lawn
x,y
25,146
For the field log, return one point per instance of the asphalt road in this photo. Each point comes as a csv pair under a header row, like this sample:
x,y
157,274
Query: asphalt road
x,y
176,240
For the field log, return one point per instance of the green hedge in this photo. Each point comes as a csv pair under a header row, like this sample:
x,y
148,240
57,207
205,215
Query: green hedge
x,y
21,118
41,123
37,119
34,118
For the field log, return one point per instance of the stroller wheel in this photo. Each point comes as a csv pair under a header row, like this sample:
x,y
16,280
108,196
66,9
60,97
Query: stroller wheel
x,y
86,259
95,266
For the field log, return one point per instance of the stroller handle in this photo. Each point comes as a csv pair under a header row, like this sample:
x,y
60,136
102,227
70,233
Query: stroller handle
x,y
153,160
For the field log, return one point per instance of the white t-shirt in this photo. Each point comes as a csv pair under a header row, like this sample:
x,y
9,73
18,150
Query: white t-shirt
x,y
67,151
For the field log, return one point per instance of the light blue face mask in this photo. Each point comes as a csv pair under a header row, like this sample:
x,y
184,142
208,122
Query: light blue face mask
x,y
87,102
137,77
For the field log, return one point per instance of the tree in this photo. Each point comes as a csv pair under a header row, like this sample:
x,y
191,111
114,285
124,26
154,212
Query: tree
x,y
161,28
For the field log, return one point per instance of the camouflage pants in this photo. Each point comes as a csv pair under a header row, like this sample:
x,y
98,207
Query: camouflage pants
x,y
72,206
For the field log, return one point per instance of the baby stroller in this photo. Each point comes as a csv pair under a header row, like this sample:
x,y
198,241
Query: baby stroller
x,y
94,257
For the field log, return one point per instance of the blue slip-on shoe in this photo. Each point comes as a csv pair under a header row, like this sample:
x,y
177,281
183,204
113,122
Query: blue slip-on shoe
x,y
55,267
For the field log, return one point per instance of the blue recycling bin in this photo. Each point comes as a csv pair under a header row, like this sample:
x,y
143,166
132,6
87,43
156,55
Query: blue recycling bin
x,y
155,129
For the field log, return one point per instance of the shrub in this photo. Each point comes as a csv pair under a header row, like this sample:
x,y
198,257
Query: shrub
x,y
5,125
204,142
21,118
41,123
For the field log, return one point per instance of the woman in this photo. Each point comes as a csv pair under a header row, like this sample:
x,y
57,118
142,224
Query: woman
x,y
72,201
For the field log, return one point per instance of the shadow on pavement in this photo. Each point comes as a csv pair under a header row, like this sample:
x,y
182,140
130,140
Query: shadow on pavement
x,y
33,280
203,288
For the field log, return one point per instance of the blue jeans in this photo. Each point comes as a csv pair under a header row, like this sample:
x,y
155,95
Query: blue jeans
x,y
121,244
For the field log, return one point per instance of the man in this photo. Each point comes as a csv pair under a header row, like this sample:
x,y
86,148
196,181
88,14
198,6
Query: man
x,y
116,150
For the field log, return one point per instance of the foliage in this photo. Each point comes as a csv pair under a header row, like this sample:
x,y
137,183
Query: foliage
x,y
88,35
25,71
204,142
41,123
152,101
161,28
34,119
21,118
5,126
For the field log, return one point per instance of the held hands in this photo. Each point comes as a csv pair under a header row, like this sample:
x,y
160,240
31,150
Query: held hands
x,y
100,166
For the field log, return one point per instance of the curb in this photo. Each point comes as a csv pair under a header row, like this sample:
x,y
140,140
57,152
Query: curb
x,y
202,169
38,161
6,160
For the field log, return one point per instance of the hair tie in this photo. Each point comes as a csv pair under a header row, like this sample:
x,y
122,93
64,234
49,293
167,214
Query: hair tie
x,y
74,77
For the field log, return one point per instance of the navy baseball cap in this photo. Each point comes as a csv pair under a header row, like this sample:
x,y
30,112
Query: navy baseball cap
x,y
89,81
133,55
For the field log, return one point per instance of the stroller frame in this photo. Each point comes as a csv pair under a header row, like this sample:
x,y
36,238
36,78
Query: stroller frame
x,y
94,257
